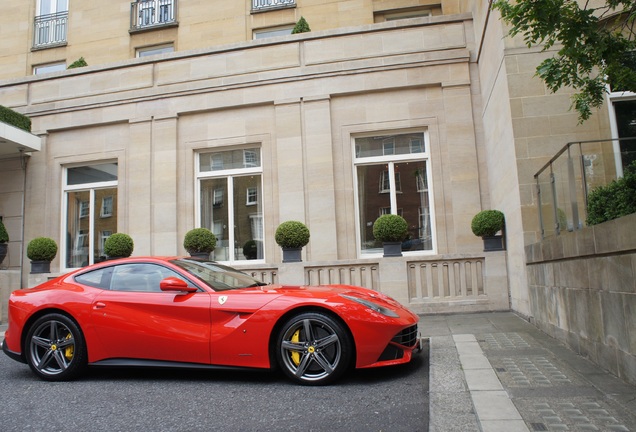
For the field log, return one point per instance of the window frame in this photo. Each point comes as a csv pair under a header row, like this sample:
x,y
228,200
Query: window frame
x,y
147,51
395,186
251,166
45,68
91,188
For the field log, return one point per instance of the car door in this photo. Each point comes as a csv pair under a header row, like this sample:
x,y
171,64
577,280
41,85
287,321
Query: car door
x,y
135,319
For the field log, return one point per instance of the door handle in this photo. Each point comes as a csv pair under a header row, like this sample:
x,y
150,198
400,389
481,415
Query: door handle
x,y
99,305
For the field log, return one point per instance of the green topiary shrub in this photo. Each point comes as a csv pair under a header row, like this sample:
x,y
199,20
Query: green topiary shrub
x,y
487,223
301,26
199,240
80,62
42,249
390,228
119,245
250,249
292,234
615,200
16,119
4,235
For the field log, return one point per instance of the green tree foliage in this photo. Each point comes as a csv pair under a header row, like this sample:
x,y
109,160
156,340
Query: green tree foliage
x,y
615,200
301,26
595,45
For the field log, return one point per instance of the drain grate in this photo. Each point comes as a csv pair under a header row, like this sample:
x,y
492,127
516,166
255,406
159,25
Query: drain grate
x,y
539,426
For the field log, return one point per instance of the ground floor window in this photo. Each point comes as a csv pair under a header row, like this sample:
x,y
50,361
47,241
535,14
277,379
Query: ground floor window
x,y
393,176
625,119
230,202
90,212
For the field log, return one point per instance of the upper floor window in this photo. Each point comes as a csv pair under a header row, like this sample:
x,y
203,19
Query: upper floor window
x,y
273,32
262,5
392,15
51,23
399,164
152,13
49,67
153,50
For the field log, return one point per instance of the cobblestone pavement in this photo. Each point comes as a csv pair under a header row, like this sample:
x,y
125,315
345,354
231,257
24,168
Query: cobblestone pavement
x,y
496,372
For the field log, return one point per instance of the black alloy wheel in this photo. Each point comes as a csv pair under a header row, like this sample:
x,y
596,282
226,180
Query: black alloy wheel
x,y
55,348
313,349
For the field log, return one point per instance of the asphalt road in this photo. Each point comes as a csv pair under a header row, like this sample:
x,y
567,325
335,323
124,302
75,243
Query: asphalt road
x,y
391,399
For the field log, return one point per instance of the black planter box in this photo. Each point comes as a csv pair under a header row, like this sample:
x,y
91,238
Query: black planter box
x,y
494,243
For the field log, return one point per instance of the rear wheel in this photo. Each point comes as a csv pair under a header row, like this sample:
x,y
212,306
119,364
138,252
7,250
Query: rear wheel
x,y
313,348
55,348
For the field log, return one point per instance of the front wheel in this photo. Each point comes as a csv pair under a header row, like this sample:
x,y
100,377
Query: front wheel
x,y
55,348
313,349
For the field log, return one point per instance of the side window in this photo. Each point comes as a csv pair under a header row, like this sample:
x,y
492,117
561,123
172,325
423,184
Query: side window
x,y
140,277
97,278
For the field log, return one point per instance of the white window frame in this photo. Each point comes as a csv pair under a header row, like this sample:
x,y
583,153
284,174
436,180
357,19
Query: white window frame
x,y
107,206
228,174
270,32
612,98
154,50
49,68
391,160
55,7
83,187
251,196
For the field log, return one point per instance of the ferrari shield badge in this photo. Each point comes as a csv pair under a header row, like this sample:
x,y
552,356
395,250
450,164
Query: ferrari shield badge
x,y
222,299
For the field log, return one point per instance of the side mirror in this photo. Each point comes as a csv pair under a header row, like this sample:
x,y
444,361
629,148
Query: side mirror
x,y
172,284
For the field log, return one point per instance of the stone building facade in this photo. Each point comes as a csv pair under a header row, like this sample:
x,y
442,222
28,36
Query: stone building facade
x,y
211,114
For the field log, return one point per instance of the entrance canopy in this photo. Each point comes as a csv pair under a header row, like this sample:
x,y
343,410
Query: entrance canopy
x,y
13,139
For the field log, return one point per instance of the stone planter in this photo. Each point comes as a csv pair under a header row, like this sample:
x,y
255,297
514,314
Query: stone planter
x,y
493,243
292,255
392,249
40,267
200,255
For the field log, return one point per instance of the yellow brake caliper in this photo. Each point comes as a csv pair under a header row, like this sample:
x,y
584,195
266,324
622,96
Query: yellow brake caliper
x,y
68,352
295,356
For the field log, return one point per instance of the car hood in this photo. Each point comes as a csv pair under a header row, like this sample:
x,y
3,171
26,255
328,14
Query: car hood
x,y
330,292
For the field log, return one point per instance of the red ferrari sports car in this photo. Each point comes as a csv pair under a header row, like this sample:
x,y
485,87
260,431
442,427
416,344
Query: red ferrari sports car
x,y
185,312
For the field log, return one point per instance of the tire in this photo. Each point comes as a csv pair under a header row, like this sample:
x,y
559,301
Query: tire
x,y
55,348
313,349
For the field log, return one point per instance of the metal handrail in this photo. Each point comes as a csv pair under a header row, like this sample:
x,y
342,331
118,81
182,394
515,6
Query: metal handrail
x,y
576,178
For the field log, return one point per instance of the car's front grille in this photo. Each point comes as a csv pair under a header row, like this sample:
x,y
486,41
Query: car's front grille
x,y
407,337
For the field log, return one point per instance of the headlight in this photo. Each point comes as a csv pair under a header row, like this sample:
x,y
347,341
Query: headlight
x,y
371,305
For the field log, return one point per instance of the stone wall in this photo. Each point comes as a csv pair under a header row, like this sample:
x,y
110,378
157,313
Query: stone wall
x,y
582,288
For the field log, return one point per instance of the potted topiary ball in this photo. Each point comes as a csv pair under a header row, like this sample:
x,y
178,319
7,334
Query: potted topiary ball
x,y
119,245
250,249
391,230
4,240
291,236
486,224
41,251
199,242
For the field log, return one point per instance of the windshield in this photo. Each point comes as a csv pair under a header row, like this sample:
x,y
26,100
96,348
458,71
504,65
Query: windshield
x,y
217,276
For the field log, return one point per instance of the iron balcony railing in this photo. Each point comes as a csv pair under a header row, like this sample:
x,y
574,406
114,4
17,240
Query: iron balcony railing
x,y
563,184
50,30
152,13
261,5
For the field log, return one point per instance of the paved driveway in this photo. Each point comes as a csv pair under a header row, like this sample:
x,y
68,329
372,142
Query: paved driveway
x,y
389,399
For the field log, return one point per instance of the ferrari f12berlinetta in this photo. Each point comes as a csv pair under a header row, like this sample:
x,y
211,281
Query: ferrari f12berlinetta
x,y
185,312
